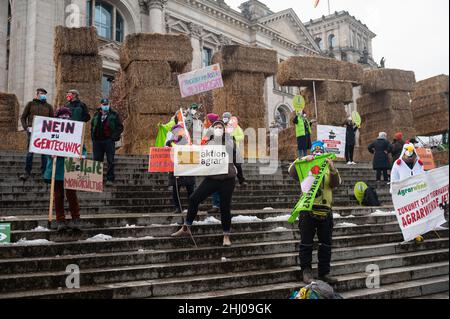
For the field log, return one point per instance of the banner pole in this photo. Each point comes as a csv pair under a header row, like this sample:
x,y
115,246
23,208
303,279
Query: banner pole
x,y
315,98
52,192
82,141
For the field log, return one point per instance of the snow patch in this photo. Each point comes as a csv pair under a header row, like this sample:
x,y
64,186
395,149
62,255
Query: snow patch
x,y
382,213
280,229
100,237
336,215
346,225
40,228
24,241
350,216
210,220
245,219
281,218
268,208
130,226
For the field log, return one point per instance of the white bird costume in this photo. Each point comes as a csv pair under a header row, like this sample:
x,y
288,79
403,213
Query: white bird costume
x,y
401,170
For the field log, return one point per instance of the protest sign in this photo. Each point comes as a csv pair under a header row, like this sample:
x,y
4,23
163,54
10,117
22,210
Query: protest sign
x,y
196,160
201,80
426,156
54,136
334,139
160,160
420,201
5,233
83,175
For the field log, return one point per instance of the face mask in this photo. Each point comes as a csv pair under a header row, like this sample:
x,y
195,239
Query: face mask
x,y
304,115
193,112
218,132
226,120
105,108
43,98
69,98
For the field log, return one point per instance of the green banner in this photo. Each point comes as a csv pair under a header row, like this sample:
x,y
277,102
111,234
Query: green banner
x,y
163,129
310,175
5,233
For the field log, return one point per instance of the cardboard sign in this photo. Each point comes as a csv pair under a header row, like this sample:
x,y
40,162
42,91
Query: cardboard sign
x,y
198,160
54,136
299,103
420,201
201,80
83,175
5,233
426,155
356,118
334,139
160,160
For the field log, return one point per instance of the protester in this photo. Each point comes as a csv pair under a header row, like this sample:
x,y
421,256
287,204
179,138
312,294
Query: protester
x,y
408,164
193,123
319,220
350,140
207,131
223,184
71,195
37,107
106,129
303,133
80,111
238,136
397,147
177,136
381,148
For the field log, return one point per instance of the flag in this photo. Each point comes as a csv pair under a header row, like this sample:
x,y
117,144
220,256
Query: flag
x,y
163,129
316,3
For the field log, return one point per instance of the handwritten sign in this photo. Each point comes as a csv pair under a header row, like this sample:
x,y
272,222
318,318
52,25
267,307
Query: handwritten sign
x,y
83,175
201,80
54,136
160,160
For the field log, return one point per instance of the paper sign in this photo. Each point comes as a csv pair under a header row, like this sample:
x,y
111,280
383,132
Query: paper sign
x,y
334,139
5,233
201,80
160,160
83,175
54,136
426,155
198,160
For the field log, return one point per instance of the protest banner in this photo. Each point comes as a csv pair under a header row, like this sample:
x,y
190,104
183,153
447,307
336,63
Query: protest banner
x,y
419,202
160,160
310,175
334,139
196,160
5,233
54,136
201,80
426,155
83,175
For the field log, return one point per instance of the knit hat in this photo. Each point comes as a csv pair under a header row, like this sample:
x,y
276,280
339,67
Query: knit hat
x,y
76,92
212,117
63,111
41,90
227,115
382,135
398,136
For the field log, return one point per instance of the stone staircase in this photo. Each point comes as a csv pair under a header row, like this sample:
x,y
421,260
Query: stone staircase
x,y
141,260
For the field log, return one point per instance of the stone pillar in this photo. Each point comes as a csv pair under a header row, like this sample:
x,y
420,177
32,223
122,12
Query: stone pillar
x,y
156,13
144,16
196,33
3,41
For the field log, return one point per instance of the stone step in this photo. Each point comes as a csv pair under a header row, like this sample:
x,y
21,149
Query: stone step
x,y
442,295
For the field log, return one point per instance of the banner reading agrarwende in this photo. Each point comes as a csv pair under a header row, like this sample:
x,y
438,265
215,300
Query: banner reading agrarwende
x,y
83,175
419,202
196,160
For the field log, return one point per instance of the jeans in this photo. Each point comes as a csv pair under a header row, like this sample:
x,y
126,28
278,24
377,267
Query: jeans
x,y
29,160
209,186
108,147
385,174
309,226
349,149
71,196
190,190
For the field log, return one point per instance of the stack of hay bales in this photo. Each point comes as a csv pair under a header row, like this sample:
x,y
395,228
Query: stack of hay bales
x,y
430,106
244,72
78,65
9,119
385,104
287,145
147,89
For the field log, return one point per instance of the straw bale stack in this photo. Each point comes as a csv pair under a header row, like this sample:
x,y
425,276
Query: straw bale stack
x,y
379,80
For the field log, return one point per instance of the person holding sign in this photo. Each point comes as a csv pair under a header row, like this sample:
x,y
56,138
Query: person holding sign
x,y
37,107
106,130
350,140
320,219
303,133
71,195
223,184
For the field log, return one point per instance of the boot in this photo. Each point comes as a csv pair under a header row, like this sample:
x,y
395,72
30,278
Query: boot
x,y
307,276
328,279
184,231
24,177
75,224
61,226
226,241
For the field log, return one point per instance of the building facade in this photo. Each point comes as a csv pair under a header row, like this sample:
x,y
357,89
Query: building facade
x,y
27,28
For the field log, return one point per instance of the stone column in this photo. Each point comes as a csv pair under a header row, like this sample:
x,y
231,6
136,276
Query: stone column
x,y
156,13
144,16
196,33
3,41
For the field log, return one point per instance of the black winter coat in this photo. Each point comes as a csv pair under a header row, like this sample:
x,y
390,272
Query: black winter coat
x,y
380,148
350,133
397,147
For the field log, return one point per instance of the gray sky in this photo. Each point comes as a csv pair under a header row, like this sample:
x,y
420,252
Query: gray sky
x,y
411,34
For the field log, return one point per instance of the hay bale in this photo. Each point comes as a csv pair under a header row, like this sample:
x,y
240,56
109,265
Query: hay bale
x,y
118,95
335,92
387,79
10,108
434,85
432,124
155,100
383,101
141,74
299,70
75,41
172,48
430,104
90,93
240,58
14,141
78,68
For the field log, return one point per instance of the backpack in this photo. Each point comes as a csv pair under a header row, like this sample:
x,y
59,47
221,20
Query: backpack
x,y
316,290
370,197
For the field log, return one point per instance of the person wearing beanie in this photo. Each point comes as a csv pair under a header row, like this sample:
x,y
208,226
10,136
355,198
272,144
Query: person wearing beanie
x,y
207,132
223,184
350,140
71,195
380,150
106,130
80,111
397,147
37,107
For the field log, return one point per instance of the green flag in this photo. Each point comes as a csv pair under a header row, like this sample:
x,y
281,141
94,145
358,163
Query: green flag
x,y
163,129
310,175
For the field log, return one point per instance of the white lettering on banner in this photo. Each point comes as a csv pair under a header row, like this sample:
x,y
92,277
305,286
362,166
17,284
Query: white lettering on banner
x,y
334,139
199,160
201,80
53,136
420,200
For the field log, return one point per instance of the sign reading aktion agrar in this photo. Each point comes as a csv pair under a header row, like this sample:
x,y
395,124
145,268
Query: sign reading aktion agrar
x,y
196,160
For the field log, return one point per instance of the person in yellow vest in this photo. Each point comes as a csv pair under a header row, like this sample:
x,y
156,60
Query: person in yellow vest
x,y
303,133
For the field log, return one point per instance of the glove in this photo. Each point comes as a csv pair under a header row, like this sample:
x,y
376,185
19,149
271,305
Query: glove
x,y
295,121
